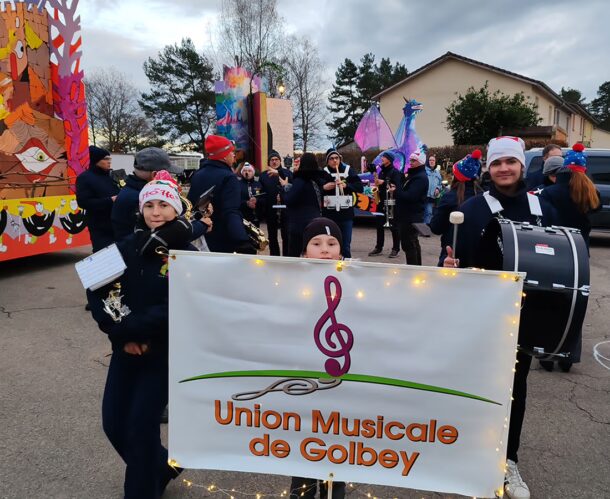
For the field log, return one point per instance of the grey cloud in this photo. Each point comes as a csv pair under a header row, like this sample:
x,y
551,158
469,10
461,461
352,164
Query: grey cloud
x,y
557,43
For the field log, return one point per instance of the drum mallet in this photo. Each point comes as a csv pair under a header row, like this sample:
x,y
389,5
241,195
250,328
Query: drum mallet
x,y
457,219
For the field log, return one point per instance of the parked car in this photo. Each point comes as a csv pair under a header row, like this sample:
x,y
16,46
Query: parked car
x,y
598,170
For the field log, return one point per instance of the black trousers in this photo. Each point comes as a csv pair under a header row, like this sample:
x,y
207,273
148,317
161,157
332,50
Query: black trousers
x,y
380,222
295,243
273,224
517,412
410,243
306,488
134,399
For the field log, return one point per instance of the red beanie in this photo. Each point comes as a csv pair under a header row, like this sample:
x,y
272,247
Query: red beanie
x,y
218,147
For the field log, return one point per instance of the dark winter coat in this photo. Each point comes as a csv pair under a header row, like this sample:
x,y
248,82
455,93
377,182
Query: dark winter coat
x,y
411,196
353,185
534,180
271,186
440,223
127,208
303,201
477,216
94,190
248,189
144,287
389,175
568,214
228,233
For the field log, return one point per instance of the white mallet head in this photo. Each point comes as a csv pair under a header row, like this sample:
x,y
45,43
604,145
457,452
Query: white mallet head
x,y
456,217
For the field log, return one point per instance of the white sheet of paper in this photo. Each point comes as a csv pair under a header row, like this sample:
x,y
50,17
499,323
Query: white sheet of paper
x,y
101,268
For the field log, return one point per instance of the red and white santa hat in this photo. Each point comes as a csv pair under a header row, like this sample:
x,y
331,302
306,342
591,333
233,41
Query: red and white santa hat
x,y
162,188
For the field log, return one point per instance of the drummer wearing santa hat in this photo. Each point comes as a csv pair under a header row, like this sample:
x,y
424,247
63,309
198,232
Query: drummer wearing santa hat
x,y
508,198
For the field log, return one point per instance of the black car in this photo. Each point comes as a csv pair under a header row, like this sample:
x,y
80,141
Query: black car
x,y
598,170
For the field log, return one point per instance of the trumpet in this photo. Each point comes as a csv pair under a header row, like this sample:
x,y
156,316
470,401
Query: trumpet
x,y
389,205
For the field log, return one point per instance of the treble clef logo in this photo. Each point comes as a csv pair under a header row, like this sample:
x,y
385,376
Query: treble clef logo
x,y
337,340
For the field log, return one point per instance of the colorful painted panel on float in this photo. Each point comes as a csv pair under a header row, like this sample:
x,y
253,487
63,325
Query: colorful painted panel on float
x,y
232,104
43,127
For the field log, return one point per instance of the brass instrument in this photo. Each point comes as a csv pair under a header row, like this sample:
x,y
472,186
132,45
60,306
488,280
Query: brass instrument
x,y
375,188
204,210
257,236
389,205
113,306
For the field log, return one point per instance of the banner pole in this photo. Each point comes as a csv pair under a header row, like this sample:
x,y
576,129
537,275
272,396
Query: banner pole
x,y
329,494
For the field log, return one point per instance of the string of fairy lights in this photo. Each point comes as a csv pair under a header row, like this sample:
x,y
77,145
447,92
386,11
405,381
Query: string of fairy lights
x,y
233,493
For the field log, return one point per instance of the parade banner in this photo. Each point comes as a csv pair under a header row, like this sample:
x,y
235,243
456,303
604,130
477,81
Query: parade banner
x,y
382,374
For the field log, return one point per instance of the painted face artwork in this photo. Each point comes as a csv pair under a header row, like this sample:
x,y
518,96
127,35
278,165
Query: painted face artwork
x,y
32,137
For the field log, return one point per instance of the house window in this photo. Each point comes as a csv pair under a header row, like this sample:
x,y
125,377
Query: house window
x,y
582,125
573,122
556,120
567,123
550,115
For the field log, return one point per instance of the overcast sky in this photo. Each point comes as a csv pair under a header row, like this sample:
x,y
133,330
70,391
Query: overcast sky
x,y
563,43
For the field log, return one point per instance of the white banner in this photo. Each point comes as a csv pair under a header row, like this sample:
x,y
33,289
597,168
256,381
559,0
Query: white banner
x,y
381,374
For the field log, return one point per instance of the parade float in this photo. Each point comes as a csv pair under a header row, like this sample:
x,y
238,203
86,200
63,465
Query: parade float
x,y
43,128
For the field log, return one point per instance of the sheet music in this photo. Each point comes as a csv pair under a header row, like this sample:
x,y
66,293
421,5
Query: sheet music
x,y
101,268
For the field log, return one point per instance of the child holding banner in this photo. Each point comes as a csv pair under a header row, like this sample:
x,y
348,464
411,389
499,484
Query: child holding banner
x,y
321,239
509,195
136,389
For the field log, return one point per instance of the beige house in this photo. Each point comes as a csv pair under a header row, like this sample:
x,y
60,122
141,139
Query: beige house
x,y
437,84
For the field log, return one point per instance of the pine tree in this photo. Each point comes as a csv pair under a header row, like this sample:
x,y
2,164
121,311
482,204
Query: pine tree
x,y
354,90
181,103
600,107
344,103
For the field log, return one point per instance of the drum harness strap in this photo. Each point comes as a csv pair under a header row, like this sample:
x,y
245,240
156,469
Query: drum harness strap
x,y
496,207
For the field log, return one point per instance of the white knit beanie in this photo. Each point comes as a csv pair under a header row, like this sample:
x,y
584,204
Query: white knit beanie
x,y
505,147
419,155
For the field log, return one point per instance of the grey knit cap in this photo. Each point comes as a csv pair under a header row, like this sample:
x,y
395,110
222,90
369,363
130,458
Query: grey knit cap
x,y
554,165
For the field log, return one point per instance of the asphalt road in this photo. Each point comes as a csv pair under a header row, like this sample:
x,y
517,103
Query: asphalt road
x,y
53,362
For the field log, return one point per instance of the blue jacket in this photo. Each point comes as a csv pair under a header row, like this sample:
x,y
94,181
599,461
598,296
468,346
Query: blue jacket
x,y
94,190
302,202
126,208
412,196
440,223
558,194
477,216
144,287
434,181
271,186
228,233
353,184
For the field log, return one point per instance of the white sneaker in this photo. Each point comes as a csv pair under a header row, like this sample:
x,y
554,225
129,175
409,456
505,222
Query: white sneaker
x,y
514,486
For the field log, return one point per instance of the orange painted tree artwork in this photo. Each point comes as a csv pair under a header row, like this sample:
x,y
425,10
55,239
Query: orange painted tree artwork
x,y
43,127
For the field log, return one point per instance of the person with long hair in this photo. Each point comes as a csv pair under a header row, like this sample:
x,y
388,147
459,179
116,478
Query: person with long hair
x,y
509,194
136,391
572,193
573,196
303,198
463,186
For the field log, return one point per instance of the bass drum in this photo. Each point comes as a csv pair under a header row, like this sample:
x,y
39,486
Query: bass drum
x,y
556,261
